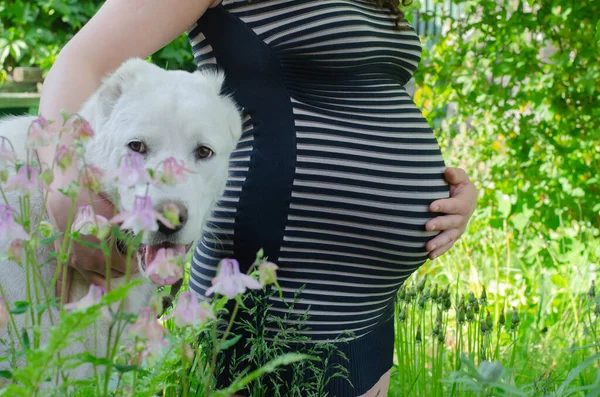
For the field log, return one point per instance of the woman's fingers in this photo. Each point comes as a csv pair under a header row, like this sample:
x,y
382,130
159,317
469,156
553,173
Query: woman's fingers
x,y
443,239
456,176
446,222
441,250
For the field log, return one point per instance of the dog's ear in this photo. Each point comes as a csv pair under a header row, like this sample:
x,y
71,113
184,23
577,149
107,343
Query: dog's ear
x,y
114,85
215,81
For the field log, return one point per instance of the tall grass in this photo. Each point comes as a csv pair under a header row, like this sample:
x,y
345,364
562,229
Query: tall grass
x,y
504,313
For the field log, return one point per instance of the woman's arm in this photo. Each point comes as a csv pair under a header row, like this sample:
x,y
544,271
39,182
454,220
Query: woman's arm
x,y
120,30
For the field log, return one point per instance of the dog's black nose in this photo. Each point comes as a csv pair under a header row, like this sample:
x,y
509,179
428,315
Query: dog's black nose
x,y
172,206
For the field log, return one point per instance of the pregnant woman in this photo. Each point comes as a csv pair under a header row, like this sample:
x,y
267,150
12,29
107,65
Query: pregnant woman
x,y
337,174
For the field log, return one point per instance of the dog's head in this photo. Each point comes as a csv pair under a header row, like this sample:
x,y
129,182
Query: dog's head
x,y
165,114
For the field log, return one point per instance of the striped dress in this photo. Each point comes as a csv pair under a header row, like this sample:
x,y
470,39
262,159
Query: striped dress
x,y
333,174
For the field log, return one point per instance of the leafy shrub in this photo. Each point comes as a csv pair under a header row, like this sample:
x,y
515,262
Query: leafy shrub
x,y
32,32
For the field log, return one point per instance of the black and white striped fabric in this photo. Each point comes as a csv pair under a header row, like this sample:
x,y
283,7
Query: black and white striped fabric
x,y
336,168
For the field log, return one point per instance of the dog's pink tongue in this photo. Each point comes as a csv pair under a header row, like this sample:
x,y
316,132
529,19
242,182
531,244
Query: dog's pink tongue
x,y
152,250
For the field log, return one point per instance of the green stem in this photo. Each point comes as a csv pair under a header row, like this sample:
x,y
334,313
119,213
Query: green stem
x,y
110,354
63,247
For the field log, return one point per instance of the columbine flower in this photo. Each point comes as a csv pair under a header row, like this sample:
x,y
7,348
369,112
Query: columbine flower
x,y
80,128
173,172
267,273
15,251
87,223
230,282
25,181
165,268
132,171
39,134
7,155
143,217
9,229
93,297
4,315
148,329
64,157
189,312
91,177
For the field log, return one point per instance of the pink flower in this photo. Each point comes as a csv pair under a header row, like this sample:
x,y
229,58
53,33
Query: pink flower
x,y
132,171
165,269
189,312
4,315
93,297
15,251
148,329
87,223
9,229
173,172
230,282
25,181
143,217
91,177
80,128
64,157
7,155
267,273
39,134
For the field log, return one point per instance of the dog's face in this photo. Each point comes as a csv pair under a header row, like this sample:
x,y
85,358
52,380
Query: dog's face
x,y
165,114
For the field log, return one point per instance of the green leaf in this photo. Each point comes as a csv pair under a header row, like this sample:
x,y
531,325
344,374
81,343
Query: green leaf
x,y
230,342
88,358
50,240
25,339
6,374
504,204
120,292
20,307
125,368
87,243
271,366
598,32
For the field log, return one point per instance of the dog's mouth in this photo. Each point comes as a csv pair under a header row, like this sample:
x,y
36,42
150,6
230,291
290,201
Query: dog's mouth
x,y
148,252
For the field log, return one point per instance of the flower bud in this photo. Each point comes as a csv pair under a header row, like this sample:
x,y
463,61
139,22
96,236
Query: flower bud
x,y
421,285
402,315
267,273
402,293
483,298
515,319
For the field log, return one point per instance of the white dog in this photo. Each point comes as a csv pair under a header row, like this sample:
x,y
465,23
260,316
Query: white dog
x,y
160,114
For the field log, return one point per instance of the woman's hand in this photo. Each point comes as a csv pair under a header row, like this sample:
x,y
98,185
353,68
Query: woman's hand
x,y
457,209
89,262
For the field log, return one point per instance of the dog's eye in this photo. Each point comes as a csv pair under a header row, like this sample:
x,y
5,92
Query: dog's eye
x,y
203,152
137,146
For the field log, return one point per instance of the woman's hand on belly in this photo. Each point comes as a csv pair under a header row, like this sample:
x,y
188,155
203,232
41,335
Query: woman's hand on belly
x,y
457,211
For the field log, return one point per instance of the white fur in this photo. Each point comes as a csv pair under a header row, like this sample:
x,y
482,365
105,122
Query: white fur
x,y
172,112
